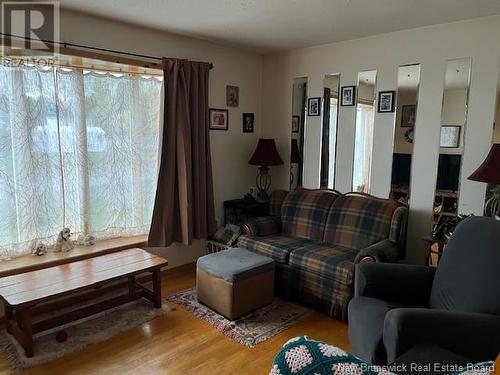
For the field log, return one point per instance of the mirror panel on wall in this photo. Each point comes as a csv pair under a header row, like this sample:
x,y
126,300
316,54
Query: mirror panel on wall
x,y
363,138
404,132
331,85
493,190
299,107
452,135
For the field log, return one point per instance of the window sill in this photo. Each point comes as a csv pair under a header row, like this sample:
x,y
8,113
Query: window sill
x,y
30,263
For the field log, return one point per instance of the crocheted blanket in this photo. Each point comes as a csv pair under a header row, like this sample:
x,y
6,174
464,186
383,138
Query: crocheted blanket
x,y
302,356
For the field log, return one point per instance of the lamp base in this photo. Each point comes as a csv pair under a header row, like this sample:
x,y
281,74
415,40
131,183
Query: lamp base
x,y
263,182
492,205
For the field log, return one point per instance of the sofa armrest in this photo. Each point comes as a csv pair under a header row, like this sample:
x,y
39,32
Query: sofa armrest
x,y
383,251
401,283
262,226
471,335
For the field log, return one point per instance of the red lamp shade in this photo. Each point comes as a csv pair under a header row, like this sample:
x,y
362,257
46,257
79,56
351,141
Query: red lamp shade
x,y
295,155
489,171
265,154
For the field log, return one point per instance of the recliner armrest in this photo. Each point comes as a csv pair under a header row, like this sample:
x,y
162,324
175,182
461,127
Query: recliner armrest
x,y
382,251
401,283
471,335
262,226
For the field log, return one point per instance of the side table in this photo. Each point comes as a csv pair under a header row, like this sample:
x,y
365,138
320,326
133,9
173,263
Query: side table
x,y
236,211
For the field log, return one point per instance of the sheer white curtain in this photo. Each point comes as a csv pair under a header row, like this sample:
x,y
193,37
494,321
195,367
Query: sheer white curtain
x,y
77,149
363,145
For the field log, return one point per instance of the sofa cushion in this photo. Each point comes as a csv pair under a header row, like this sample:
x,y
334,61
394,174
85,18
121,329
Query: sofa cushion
x,y
304,212
357,221
276,246
276,201
325,261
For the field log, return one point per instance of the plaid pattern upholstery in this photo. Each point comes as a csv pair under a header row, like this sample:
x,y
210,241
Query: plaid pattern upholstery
x,y
397,233
357,221
262,226
304,212
276,246
276,201
323,260
322,277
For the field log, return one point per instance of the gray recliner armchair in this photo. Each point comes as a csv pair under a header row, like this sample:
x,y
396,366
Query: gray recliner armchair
x,y
455,307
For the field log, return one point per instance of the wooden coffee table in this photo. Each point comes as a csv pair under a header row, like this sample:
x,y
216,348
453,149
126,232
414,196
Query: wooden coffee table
x,y
28,294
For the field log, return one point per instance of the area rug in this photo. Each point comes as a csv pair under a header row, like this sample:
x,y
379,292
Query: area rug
x,y
249,330
80,333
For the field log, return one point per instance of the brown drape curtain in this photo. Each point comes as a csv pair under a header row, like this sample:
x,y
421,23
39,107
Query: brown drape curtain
x,y
184,204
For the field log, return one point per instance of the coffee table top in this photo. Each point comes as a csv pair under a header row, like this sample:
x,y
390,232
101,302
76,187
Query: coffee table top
x,y
36,285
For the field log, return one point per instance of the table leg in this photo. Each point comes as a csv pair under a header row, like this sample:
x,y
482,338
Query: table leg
x,y
25,319
131,284
9,315
157,288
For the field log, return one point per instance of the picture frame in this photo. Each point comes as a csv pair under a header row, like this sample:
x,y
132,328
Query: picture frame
x,y
347,96
313,106
218,119
386,102
295,124
450,136
408,116
248,122
232,96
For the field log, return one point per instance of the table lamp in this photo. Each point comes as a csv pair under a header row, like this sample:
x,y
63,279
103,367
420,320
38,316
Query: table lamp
x,y
489,172
265,155
294,158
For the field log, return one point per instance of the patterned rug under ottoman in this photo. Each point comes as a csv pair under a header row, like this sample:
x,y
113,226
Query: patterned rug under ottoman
x,y
251,329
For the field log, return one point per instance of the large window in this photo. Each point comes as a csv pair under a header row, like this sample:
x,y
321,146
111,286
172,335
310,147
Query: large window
x,y
77,149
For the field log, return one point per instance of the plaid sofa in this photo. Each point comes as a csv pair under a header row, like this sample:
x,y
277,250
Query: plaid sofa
x,y
317,236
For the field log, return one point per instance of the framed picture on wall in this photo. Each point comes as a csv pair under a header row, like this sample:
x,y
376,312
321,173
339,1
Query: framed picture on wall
x,y
408,116
313,106
386,101
248,119
295,124
347,95
450,136
232,96
218,119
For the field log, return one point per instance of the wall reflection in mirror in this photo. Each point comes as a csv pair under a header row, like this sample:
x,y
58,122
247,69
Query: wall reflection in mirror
x,y
452,135
404,132
363,138
299,99
329,130
492,203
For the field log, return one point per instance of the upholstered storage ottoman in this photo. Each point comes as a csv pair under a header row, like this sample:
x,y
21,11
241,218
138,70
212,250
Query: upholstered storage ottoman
x,y
234,282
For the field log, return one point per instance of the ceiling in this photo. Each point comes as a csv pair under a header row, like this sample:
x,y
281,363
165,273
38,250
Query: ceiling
x,y
273,25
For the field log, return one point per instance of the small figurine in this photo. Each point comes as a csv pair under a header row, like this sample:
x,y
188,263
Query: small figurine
x,y
85,240
38,248
64,242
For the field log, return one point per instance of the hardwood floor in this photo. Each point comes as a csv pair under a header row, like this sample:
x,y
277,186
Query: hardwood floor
x,y
179,343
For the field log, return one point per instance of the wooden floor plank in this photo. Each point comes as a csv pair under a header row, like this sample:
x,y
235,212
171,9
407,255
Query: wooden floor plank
x,y
179,343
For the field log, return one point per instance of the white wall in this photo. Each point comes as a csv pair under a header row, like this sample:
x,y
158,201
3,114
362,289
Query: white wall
x,y
430,47
231,150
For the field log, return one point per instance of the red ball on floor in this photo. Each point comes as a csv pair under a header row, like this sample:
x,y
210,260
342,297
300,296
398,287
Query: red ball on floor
x,y
61,336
